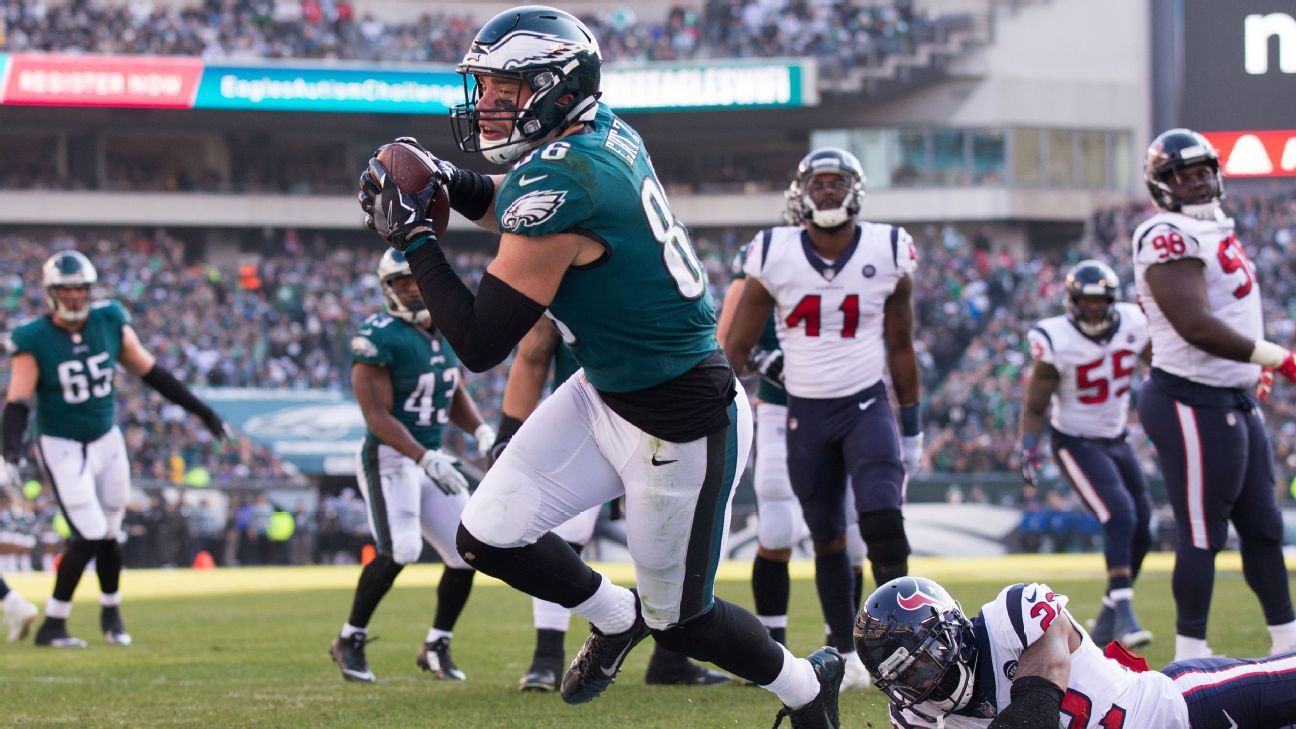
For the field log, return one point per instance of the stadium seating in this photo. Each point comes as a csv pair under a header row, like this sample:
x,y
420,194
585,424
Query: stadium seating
x,y
844,33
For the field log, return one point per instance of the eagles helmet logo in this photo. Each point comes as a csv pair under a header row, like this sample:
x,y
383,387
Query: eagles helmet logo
x,y
532,209
522,49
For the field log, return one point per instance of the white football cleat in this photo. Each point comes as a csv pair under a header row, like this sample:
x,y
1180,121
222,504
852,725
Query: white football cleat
x,y
18,616
857,676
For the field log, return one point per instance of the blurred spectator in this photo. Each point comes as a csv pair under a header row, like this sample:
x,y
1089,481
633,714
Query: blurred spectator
x,y
844,34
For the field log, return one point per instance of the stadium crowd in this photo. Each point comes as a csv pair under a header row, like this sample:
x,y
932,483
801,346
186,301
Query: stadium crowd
x,y
838,31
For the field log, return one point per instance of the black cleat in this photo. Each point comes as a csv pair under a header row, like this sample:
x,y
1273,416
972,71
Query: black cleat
x,y
349,655
435,657
114,630
53,634
542,677
600,659
687,673
822,713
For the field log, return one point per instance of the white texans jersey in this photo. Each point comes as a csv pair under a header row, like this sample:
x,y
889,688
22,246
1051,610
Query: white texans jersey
x,y
829,313
1231,287
1092,397
1100,693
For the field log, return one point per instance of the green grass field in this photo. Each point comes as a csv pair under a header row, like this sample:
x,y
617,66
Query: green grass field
x,y
248,648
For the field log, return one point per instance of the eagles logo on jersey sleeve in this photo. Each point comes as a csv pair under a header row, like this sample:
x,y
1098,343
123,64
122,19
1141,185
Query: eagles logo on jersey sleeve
x,y
542,195
367,346
1164,242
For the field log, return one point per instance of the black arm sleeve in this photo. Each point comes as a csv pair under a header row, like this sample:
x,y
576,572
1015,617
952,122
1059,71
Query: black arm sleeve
x,y
175,391
482,329
15,427
471,193
1036,704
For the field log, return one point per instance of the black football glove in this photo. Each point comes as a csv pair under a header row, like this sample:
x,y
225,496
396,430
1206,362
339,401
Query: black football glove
x,y
219,429
768,363
497,449
398,217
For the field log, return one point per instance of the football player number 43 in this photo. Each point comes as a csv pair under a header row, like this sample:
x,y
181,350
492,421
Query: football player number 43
x,y
82,380
422,400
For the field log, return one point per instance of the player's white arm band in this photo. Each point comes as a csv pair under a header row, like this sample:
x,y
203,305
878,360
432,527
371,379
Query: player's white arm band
x,y
1268,354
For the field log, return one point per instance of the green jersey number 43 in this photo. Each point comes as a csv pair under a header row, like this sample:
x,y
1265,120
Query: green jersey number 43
x,y
422,401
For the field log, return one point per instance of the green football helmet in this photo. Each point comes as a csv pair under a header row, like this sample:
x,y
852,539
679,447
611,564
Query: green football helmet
x,y
69,269
550,51
392,266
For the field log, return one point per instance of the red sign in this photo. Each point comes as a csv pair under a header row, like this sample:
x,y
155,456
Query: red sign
x,y
135,81
1256,154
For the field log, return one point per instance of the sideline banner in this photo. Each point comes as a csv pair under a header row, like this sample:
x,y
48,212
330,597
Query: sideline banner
x,y
319,89
1256,154
189,83
318,431
120,81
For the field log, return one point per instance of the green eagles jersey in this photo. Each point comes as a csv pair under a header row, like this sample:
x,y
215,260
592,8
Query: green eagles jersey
x,y
642,314
770,392
424,373
565,365
74,391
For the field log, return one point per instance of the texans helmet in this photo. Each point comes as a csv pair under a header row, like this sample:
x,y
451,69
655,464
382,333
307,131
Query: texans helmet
x,y
70,269
550,51
917,644
1167,157
392,266
1092,278
825,160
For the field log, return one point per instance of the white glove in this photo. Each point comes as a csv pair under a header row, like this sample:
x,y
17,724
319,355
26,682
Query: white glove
x,y
485,438
9,477
440,467
911,452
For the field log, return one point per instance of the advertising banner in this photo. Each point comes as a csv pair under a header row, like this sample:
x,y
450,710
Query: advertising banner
x,y
120,81
186,83
1256,154
371,91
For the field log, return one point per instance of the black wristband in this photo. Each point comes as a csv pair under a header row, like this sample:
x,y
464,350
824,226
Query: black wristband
x,y
508,426
15,427
910,423
1036,704
471,193
174,390
481,329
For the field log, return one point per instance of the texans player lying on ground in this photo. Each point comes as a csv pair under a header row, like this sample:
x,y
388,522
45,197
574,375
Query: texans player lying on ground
x,y
1024,663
